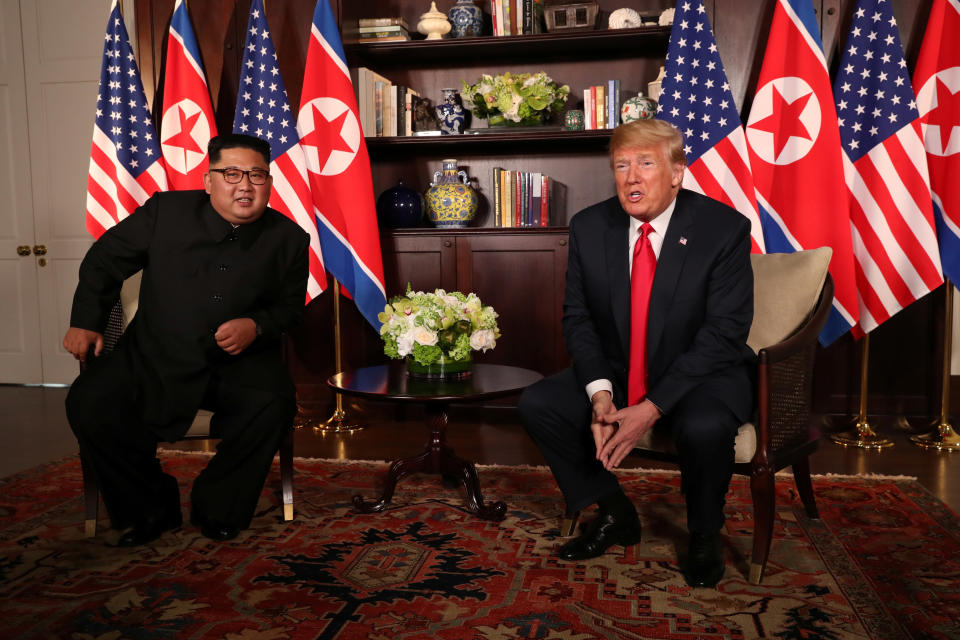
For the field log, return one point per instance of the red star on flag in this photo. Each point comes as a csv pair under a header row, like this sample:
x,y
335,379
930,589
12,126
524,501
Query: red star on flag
x,y
945,114
326,133
784,122
183,139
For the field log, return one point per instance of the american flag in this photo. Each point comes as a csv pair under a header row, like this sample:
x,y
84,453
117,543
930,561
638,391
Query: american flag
x,y
126,167
892,226
263,110
696,99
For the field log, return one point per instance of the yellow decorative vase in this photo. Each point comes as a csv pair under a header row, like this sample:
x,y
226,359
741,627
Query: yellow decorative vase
x,y
451,201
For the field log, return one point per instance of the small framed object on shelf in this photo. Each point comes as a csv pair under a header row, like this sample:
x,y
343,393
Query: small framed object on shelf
x,y
571,16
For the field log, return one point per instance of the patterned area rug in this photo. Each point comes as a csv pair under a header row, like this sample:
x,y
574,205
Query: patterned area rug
x,y
884,562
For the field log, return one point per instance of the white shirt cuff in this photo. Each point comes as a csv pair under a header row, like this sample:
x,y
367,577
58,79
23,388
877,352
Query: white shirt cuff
x,y
599,385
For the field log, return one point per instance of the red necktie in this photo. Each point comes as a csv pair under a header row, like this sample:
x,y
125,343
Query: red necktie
x,y
641,281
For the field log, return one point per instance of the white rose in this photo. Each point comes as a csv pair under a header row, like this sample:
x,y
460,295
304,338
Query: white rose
x,y
482,339
424,336
405,343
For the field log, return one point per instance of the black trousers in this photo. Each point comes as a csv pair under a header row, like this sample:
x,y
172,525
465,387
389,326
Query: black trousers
x,y
104,413
556,413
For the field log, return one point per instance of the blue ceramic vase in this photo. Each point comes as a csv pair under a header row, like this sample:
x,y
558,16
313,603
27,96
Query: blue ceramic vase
x,y
466,20
399,207
450,113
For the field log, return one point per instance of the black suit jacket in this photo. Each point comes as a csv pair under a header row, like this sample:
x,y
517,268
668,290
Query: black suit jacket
x,y
198,272
701,304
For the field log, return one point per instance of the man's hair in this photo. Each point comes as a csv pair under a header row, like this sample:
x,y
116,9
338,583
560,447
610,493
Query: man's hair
x,y
648,133
237,141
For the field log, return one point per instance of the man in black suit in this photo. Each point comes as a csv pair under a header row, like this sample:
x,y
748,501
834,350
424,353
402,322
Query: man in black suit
x,y
660,342
223,277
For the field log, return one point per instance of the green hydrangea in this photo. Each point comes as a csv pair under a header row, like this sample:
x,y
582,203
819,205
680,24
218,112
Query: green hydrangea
x,y
426,326
517,96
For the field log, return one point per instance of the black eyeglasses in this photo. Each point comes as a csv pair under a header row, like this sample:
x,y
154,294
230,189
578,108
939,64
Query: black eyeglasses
x,y
234,176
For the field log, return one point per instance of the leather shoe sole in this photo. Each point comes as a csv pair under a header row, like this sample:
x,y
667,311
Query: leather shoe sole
x,y
602,534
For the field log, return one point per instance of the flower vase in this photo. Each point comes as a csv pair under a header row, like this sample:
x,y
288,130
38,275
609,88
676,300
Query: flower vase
x,y
450,113
444,369
400,206
451,201
466,19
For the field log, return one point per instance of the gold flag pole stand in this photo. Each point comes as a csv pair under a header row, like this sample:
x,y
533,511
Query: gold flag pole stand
x,y
862,435
336,423
943,437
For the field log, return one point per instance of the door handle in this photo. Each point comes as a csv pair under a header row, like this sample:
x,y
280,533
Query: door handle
x,y
39,249
23,250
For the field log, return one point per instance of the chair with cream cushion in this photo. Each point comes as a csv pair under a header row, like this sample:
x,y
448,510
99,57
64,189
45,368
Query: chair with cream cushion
x,y
120,317
792,298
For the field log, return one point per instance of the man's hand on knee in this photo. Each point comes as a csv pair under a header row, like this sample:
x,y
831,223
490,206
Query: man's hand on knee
x,y
233,336
634,422
78,341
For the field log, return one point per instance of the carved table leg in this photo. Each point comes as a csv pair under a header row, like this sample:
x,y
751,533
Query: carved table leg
x,y
438,457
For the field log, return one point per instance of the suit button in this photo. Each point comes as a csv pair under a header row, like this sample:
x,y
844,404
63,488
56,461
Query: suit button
x,y
223,267
216,297
234,237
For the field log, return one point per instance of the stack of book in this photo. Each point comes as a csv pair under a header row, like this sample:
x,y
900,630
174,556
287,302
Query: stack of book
x,y
522,198
516,17
382,30
601,106
386,109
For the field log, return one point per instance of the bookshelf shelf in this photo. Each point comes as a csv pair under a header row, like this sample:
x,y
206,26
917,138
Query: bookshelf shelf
x,y
507,141
580,45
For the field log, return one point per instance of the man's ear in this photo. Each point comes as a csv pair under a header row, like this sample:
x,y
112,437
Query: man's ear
x,y
678,170
206,182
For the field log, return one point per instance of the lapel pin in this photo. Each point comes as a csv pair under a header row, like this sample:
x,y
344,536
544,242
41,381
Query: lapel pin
x,y
683,240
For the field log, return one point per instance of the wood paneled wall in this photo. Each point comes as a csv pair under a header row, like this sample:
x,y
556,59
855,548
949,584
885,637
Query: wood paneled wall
x,y
905,355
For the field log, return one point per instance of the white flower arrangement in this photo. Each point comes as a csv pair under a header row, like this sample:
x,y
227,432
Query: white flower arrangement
x,y
515,96
425,326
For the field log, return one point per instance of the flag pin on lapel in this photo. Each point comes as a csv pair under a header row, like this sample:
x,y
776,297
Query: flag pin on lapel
x,y
683,240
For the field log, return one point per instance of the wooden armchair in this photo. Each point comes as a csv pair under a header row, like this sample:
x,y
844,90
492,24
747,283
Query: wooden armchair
x,y
201,429
793,294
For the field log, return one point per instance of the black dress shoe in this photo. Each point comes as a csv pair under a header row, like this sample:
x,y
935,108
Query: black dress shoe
x,y
704,566
150,528
213,529
601,534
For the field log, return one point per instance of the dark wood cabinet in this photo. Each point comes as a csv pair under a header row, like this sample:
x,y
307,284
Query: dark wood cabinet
x,y
519,272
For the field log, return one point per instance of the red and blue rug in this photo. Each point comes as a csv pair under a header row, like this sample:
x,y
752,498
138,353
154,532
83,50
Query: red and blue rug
x,y
883,562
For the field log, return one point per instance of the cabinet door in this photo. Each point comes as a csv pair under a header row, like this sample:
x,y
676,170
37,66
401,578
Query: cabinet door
x,y
425,260
521,275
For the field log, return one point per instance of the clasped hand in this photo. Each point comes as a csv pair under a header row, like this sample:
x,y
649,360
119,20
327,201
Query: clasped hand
x,y
617,431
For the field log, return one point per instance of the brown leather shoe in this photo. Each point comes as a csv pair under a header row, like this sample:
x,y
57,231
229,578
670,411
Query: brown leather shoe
x,y
601,534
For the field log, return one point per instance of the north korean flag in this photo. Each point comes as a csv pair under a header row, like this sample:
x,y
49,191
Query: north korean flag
x,y
794,144
936,81
187,122
339,169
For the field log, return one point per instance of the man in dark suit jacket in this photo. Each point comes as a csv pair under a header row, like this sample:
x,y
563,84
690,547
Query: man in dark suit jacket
x,y
223,277
698,380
